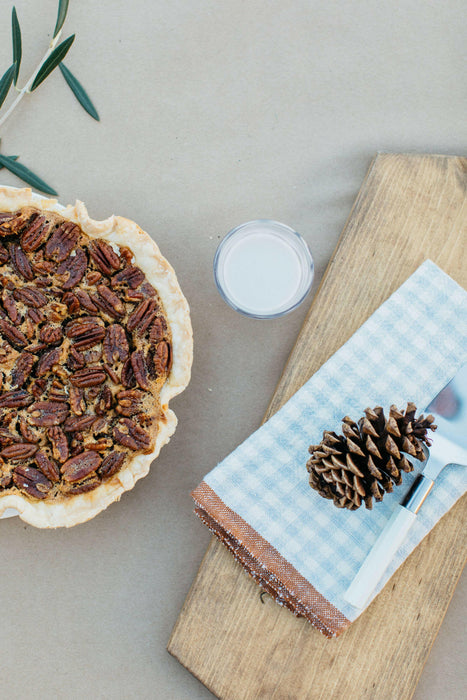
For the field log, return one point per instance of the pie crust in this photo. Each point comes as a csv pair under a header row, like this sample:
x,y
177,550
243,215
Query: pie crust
x,y
118,232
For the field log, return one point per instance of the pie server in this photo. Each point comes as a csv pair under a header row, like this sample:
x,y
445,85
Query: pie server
x,y
449,446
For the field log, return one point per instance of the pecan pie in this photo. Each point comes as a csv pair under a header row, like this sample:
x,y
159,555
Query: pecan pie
x,y
95,339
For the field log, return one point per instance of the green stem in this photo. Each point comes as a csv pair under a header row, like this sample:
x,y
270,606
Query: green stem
x,y
25,89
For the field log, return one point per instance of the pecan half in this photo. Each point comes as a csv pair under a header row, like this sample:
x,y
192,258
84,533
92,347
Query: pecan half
x,y
78,423
127,375
104,402
19,450
127,433
104,256
85,332
51,335
140,369
11,308
87,339
77,402
47,361
88,376
12,334
59,443
108,302
36,316
75,360
31,481
31,296
72,269
130,275
81,466
71,302
111,464
22,369
82,324
115,344
15,399
47,413
35,233
85,300
63,240
47,466
158,330
20,262
162,358
101,445
143,315
130,402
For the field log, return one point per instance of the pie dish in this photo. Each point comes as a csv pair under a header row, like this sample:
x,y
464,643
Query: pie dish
x,y
95,339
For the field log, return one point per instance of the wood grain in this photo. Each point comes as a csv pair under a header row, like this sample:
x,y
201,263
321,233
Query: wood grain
x,y
410,207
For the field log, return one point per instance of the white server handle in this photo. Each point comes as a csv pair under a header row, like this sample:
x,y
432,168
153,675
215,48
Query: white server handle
x,y
380,557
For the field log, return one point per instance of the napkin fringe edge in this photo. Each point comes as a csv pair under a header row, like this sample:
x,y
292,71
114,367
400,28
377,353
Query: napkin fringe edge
x,y
266,565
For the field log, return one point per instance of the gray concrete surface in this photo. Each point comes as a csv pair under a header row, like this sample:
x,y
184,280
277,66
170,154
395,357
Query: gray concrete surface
x,y
212,113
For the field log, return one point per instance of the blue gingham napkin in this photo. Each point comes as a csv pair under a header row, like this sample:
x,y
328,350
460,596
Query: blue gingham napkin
x,y
407,350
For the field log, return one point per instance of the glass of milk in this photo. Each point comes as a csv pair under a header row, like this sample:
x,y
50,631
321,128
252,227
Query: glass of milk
x,y
263,269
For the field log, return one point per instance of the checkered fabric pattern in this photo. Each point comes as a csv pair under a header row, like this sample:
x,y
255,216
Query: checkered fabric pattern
x,y
407,350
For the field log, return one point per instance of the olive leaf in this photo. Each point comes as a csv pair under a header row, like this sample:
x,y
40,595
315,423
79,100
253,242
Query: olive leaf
x,y
57,55
79,92
16,36
11,158
5,82
61,16
53,58
25,174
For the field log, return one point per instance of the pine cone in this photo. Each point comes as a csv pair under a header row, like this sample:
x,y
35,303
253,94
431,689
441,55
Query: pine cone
x,y
367,459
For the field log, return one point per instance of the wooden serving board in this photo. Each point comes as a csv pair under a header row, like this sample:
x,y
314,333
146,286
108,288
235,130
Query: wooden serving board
x,y
410,207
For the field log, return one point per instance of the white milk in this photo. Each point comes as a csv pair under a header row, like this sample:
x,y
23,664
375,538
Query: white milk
x,y
263,268
262,272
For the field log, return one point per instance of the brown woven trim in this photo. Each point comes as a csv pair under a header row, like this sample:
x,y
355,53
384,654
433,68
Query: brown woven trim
x,y
266,566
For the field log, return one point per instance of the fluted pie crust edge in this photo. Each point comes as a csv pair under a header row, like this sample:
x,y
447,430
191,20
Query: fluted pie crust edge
x,y
121,231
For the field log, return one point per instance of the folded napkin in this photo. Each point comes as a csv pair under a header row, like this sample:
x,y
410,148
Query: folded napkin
x,y
297,545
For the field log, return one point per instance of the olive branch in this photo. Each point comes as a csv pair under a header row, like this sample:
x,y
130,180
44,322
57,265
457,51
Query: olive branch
x,y
53,57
